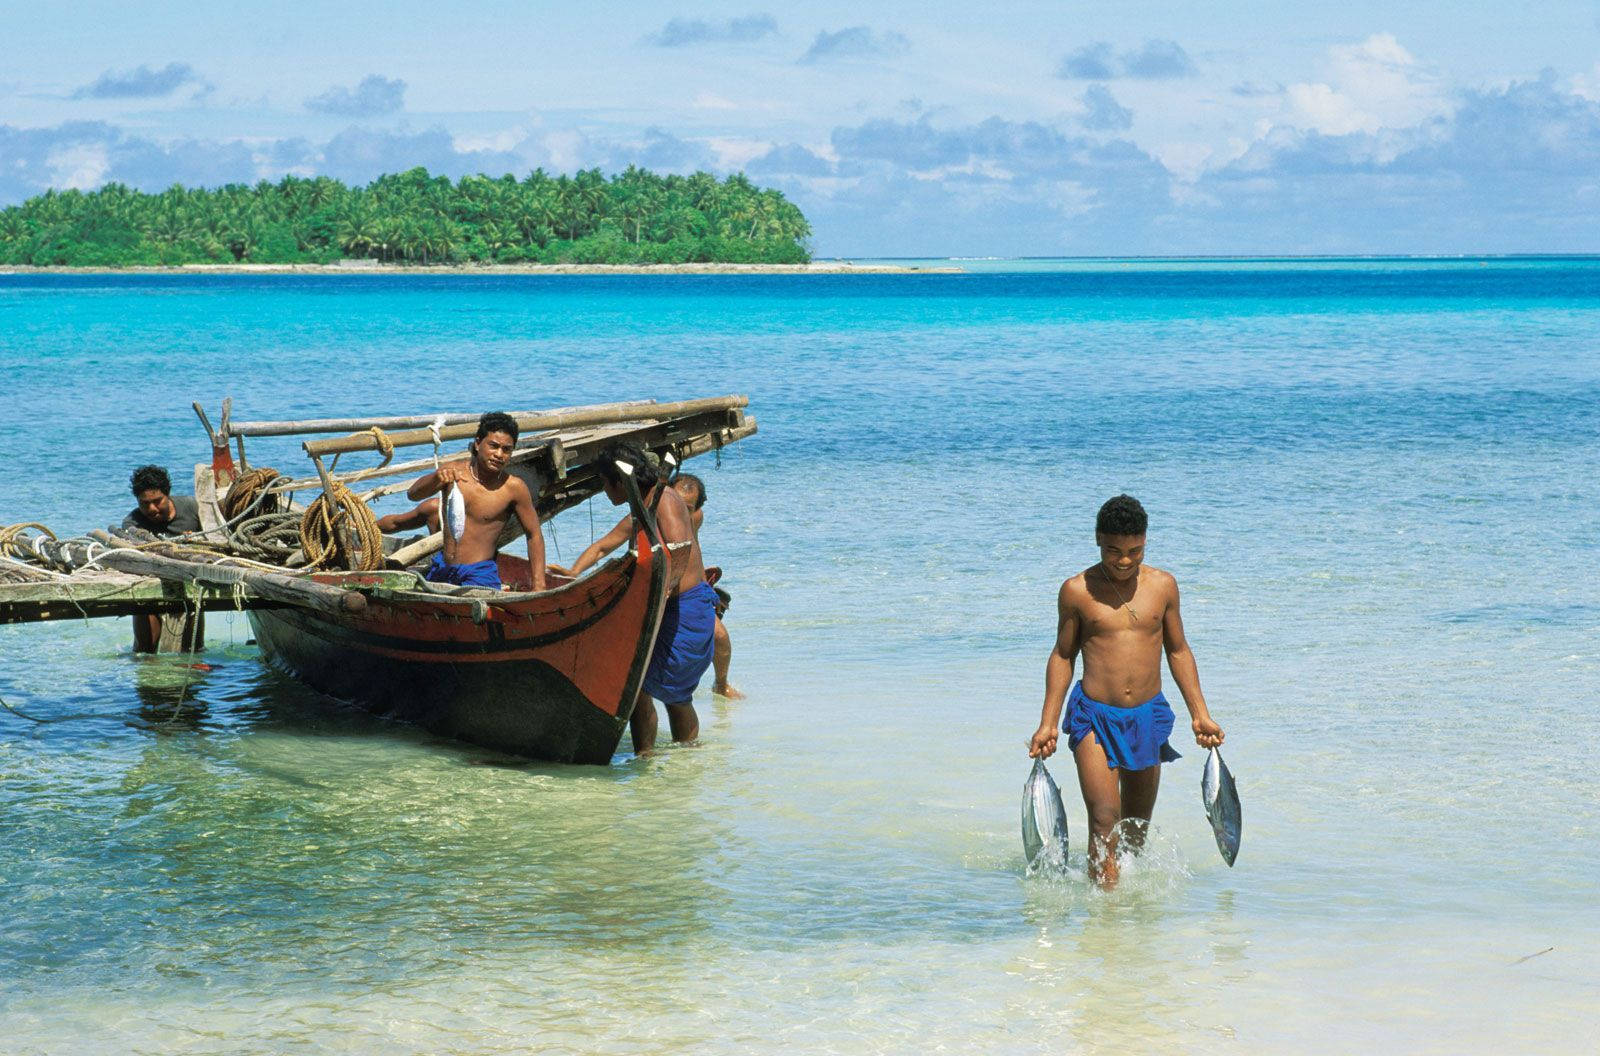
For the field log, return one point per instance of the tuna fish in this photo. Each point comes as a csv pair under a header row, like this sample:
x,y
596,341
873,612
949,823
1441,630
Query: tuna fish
x,y
455,510
1044,821
1221,800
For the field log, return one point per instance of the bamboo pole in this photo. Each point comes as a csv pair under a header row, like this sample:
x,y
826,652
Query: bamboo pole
x,y
600,414
397,469
406,421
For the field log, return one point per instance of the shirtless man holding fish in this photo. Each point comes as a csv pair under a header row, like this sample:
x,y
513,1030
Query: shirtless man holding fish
x,y
479,496
1121,615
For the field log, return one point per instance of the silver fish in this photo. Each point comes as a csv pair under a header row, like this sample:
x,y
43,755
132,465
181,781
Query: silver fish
x,y
455,510
1044,821
1221,799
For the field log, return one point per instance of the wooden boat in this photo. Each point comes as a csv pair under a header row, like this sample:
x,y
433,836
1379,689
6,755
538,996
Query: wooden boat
x,y
551,675
548,675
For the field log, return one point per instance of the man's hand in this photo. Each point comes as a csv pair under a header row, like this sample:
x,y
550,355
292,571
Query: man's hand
x,y
1207,734
559,570
1043,743
451,472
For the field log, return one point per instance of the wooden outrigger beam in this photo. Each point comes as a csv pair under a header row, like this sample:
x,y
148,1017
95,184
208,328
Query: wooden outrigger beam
x,y
112,576
118,594
601,414
407,421
153,582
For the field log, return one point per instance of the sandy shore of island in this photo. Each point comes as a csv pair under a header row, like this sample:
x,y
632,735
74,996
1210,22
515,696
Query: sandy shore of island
x,y
372,267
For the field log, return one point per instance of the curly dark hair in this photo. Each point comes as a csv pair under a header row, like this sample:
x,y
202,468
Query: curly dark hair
x,y
699,490
497,422
146,477
1121,516
645,473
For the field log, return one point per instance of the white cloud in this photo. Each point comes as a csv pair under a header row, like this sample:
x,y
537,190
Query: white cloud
x,y
1372,85
79,167
712,101
1587,85
501,142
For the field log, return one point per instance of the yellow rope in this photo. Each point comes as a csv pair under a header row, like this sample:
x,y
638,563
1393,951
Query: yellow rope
x,y
384,444
324,528
10,536
244,492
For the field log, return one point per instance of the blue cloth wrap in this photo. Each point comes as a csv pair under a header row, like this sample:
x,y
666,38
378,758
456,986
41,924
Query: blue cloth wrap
x,y
1133,738
474,574
683,645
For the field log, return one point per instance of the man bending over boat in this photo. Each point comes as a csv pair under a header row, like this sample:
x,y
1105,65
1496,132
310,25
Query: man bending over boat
x,y
163,514
490,496
1121,614
683,645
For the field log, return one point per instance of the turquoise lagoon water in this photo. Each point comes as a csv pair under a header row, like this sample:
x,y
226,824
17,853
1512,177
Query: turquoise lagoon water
x,y
1375,481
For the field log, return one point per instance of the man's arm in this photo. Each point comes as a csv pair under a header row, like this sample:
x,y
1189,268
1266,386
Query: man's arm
x,y
676,525
528,517
604,545
424,486
1057,676
1180,661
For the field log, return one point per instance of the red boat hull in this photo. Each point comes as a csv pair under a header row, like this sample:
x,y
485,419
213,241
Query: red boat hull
x,y
553,676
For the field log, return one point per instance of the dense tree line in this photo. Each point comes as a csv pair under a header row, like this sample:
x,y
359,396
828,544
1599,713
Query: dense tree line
x,y
413,217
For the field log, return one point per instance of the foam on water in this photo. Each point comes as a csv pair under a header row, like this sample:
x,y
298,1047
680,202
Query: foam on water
x,y
1373,483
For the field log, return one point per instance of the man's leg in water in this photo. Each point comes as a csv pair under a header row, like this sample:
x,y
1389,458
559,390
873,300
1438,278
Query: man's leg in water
x,y
1139,788
1103,798
643,723
146,632
721,657
685,722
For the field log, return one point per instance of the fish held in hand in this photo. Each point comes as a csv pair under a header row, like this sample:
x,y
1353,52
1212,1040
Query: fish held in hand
x,y
1220,797
455,511
1044,821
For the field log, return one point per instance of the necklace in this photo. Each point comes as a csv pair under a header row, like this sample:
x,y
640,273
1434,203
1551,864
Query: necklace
x,y
1133,613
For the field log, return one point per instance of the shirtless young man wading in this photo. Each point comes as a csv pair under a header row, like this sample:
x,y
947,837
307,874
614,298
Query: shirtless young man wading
x,y
683,648
492,496
1121,614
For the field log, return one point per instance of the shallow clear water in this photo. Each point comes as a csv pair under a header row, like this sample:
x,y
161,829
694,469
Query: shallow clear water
x,y
1374,482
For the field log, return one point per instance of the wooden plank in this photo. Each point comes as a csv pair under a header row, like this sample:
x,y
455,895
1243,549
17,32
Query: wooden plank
x,y
106,551
406,421
115,595
542,422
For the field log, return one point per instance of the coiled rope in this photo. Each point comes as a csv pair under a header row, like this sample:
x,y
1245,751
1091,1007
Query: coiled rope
x,y
11,543
337,518
249,488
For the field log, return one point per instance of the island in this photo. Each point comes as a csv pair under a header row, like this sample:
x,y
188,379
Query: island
x,y
414,219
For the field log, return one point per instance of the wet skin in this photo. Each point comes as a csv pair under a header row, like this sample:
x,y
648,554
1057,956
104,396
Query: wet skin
x,y
1121,615
492,496
676,525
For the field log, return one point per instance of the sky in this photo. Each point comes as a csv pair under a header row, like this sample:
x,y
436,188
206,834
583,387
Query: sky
x,y
901,129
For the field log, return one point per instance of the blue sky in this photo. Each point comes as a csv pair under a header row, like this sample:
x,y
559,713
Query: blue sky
x,y
928,128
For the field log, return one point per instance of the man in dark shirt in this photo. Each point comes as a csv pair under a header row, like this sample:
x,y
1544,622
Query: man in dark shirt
x,y
159,511
162,513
